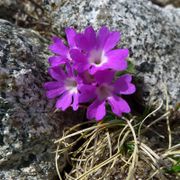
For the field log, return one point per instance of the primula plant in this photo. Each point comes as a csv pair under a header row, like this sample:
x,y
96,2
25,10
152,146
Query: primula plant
x,y
84,71
90,72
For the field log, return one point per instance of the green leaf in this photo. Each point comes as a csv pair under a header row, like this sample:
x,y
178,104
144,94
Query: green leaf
x,y
174,168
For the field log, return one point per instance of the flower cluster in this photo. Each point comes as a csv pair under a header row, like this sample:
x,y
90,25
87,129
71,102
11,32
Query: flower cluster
x,y
84,71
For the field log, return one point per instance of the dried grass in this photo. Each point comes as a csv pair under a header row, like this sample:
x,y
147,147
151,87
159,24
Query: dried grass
x,y
105,145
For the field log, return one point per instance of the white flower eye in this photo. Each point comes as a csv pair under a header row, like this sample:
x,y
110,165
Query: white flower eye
x,y
97,57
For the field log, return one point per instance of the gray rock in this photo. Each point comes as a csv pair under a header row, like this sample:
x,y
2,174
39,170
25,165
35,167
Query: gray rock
x,y
175,3
8,8
25,13
28,124
151,33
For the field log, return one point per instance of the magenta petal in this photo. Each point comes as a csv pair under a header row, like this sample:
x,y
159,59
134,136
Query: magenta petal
x,y
90,36
82,42
64,101
105,76
55,92
93,69
75,102
52,85
87,93
117,59
57,74
56,60
123,85
69,70
118,105
96,110
70,34
58,47
77,56
80,61
102,37
112,41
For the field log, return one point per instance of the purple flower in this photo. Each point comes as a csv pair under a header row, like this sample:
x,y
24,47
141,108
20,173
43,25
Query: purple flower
x,y
107,91
88,72
65,87
95,52
61,50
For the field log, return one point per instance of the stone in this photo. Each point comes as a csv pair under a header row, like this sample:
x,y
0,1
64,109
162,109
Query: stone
x,y
151,33
175,3
28,123
25,13
8,9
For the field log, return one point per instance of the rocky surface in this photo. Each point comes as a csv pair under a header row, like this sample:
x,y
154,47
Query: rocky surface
x,y
151,33
26,13
9,6
28,124
175,3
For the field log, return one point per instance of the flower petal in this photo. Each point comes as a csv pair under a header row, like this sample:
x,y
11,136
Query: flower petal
x,y
56,60
87,93
102,37
70,34
57,73
55,92
90,35
117,59
64,101
77,56
112,41
93,69
123,85
96,110
58,47
105,76
69,70
52,85
75,102
80,61
82,42
118,105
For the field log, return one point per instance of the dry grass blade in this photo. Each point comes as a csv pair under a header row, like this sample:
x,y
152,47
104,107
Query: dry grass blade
x,y
167,118
99,166
56,162
150,114
135,153
114,145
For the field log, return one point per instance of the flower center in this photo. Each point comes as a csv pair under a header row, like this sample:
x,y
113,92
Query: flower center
x,y
97,57
104,91
71,85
